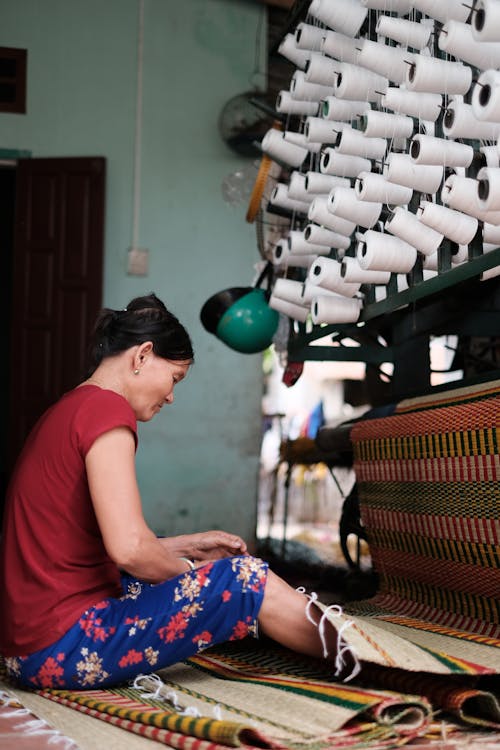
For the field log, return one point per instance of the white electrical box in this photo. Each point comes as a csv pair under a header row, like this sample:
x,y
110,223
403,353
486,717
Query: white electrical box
x,y
138,261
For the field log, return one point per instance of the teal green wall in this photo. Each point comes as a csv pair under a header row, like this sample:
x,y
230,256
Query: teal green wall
x,y
198,460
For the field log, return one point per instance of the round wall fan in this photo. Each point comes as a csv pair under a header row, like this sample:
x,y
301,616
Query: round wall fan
x,y
270,227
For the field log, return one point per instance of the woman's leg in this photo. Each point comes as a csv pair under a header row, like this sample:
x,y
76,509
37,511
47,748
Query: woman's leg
x,y
151,626
283,618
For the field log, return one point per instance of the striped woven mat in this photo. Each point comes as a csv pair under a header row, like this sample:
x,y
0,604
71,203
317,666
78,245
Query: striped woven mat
x,y
429,488
257,694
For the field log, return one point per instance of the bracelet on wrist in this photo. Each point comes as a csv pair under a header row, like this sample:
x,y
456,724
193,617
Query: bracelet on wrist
x,y
189,562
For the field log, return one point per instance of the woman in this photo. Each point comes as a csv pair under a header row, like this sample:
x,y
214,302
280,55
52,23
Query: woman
x,y
89,595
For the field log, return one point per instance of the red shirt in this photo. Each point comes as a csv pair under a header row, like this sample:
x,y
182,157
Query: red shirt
x,y
53,564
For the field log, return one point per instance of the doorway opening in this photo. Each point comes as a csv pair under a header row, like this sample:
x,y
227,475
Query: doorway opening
x,y
52,247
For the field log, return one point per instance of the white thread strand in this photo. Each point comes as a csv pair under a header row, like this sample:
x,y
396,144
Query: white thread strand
x,y
161,693
343,647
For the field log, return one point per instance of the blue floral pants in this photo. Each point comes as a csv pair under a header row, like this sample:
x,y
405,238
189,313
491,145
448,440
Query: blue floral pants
x,y
150,627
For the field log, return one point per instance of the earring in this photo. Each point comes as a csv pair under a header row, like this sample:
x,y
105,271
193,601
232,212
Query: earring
x,y
136,372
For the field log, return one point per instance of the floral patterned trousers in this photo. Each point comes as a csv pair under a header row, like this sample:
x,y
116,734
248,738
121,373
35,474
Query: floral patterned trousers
x,y
150,627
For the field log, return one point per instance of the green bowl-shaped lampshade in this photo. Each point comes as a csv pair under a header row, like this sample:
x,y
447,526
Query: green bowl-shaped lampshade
x,y
249,324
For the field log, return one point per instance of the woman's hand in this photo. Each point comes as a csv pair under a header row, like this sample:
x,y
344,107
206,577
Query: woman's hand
x,y
206,545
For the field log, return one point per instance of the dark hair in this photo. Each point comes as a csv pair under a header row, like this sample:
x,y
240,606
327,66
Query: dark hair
x,y
144,319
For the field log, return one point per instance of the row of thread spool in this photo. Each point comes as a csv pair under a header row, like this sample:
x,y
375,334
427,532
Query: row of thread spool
x,y
389,151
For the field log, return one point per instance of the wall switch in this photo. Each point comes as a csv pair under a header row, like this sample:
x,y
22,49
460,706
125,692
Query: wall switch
x,y
138,261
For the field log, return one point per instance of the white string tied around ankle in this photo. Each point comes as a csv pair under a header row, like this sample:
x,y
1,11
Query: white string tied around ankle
x,y
343,647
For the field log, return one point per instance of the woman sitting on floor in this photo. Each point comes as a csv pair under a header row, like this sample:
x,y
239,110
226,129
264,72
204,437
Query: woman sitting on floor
x,y
89,595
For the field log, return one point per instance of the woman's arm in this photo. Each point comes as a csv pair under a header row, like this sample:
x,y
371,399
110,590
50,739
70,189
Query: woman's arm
x,y
130,543
207,545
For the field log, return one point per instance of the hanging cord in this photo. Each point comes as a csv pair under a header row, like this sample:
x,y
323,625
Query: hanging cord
x,y
138,128
343,648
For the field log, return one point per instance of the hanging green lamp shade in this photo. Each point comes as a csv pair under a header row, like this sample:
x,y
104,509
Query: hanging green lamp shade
x,y
241,318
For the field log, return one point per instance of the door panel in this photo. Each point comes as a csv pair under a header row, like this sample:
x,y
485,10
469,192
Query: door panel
x,y
57,282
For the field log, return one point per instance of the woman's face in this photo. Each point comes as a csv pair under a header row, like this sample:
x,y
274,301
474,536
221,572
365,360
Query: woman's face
x,y
154,385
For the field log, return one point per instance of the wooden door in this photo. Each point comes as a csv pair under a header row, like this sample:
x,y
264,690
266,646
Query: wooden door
x,y
57,282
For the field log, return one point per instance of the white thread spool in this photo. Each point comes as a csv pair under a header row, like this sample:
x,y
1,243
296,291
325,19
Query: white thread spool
x,y
311,291
342,109
319,213
279,197
488,188
419,104
405,225
455,225
376,124
345,16
323,131
305,91
328,309
491,155
384,60
491,233
321,69
344,203
456,39
459,254
460,193
300,139
431,74
340,47
401,169
286,104
296,188
317,235
350,270
370,186
377,251
325,272
292,310
289,49
444,10
316,182
356,83
282,257
289,290
486,21
353,142
459,121
407,33
280,251
431,262
486,96
490,273
342,165
426,149
427,128
298,245
401,282
274,145
309,37
390,6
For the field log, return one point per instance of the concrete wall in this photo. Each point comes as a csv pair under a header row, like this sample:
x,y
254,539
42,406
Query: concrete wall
x,y
198,460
